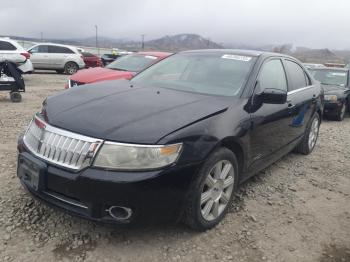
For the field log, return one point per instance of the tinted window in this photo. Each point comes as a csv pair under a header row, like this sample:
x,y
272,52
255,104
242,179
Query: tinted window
x,y
59,50
297,76
41,49
87,54
7,46
272,75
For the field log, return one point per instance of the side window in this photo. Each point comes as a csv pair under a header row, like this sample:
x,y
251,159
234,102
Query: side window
x,y
59,50
43,49
7,46
35,49
272,75
297,75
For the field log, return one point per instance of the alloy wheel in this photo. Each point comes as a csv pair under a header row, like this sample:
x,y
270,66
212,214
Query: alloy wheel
x,y
217,190
313,133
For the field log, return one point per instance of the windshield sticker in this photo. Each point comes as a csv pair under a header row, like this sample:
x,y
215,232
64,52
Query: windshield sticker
x,y
151,57
338,74
237,57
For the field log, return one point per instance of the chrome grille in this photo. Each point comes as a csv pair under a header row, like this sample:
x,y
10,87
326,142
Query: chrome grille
x,y
59,146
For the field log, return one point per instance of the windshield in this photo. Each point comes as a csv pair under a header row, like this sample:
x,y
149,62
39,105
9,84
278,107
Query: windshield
x,y
330,77
214,74
133,63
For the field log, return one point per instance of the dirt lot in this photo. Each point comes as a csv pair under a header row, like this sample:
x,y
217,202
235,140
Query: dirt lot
x,y
296,210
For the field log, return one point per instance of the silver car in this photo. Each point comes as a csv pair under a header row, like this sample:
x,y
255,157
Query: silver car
x,y
11,50
62,58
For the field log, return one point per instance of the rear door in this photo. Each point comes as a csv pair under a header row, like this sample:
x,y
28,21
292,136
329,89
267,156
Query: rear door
x,y
40,57
302,97
270,130
59,56
9,52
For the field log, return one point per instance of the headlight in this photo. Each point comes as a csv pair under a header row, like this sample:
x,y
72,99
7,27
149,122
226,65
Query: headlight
x,y
331,98
136,157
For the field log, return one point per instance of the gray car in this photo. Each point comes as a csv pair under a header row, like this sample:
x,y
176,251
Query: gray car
x,y
62,58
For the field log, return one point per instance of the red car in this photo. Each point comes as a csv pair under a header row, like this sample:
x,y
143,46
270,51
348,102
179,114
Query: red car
x,y
123,68
91,60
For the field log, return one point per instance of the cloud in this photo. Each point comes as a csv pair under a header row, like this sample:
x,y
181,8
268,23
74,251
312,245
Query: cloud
x,y
315,23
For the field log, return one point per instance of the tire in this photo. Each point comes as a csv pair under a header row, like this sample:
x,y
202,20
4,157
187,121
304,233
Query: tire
x,y
70,68
207,205
341,114
60,71
308,142
15,97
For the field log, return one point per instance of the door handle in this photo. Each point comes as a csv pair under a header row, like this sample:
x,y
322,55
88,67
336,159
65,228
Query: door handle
x,y
290,105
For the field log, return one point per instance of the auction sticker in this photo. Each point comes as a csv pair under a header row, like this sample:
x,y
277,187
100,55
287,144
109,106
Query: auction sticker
x,y
151,57
339,74
237,57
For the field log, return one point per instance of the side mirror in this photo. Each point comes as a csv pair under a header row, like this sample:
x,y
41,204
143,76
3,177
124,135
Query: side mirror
x,y
273,96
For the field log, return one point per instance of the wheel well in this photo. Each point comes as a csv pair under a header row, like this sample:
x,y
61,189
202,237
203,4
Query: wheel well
x,y
70,62
237,149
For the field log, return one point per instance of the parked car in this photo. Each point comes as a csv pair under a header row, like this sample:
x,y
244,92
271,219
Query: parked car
x,y
91,60
175,141
335,82
61,58
123,68
11,51
109,58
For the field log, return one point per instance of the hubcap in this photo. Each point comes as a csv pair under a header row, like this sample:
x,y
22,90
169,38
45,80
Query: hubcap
x,y
71,69
313,133
217,190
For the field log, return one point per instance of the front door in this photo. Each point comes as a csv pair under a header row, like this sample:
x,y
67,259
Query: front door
x,y
270,123
40,57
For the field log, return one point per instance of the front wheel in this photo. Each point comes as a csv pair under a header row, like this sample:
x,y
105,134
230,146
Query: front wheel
x,y
71,68
212,192
341,114
308,142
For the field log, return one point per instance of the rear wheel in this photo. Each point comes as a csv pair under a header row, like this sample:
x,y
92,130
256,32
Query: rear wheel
x,y
15,97
308,142
341,114
212,192
71,68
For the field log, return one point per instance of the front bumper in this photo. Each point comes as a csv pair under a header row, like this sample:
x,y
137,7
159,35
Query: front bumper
x,y
332,108
153,196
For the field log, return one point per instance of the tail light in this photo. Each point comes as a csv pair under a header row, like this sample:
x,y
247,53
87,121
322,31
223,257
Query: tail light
x,y
26,55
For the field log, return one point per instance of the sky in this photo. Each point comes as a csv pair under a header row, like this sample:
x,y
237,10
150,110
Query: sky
x,y
311,23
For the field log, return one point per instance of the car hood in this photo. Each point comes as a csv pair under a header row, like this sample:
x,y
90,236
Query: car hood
x,y
117,111
96,74
333,90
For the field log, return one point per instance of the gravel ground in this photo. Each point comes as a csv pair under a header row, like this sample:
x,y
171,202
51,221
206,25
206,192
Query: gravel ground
x,y
296,210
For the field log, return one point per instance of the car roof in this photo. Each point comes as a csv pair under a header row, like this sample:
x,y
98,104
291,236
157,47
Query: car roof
x,y
255,53
69,46
155,53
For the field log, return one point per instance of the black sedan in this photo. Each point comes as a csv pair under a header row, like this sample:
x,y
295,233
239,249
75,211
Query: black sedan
x,y
335,82
174,142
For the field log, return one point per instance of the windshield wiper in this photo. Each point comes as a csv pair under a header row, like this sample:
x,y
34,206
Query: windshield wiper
x,y
118,69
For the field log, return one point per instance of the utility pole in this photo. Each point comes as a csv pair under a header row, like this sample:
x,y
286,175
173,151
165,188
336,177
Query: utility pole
x,y
42,36
143,41
98,50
